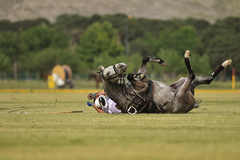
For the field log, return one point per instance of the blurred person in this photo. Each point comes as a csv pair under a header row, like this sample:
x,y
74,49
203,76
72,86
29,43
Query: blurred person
x,y
102,103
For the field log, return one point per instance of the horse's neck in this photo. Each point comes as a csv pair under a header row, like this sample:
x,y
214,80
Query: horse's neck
x,y
115,92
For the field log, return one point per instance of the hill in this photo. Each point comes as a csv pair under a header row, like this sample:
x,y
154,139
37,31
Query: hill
x,y
210,10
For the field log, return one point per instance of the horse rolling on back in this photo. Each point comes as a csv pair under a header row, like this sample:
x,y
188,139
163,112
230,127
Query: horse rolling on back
x,y
141,95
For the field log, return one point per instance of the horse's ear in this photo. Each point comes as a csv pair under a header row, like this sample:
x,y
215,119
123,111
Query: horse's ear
x,y
101,68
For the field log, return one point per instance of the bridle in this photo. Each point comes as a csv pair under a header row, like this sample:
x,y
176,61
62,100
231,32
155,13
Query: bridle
x,y
118,74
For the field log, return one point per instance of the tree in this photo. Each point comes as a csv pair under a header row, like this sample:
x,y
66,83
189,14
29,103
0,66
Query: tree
x,y
173,59
143,46
176,65
134,62
17,27
179,40
12,46
16,45
99,39
221,41
107,60
41,37
43,61
72,21
5,63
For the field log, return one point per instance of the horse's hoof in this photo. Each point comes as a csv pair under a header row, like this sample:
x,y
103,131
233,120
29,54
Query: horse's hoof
x,y
196,105
227,63
163,63
158,60
187,54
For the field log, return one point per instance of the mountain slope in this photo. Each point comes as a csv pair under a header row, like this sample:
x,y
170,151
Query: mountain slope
x,y
210,10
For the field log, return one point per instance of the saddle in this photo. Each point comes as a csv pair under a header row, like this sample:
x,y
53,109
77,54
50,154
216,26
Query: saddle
x,y
147,105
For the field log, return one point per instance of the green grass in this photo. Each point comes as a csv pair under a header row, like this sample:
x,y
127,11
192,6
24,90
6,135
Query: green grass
x,y
34,132
40,84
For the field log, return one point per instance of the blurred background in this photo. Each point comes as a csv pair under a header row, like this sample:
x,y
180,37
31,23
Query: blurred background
x,y
36,36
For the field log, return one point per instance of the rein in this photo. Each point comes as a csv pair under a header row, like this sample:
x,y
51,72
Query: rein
x,y
122,82
147,102
143,101
117,74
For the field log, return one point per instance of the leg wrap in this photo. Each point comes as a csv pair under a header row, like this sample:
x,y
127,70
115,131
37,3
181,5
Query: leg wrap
x,y
217,71
161,61
145,60
190,71
130,77
187,62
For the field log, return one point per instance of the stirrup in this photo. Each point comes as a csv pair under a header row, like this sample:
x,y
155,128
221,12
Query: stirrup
x,y
197,102
131,107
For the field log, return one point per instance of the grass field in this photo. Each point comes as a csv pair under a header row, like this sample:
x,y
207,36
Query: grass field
x,y
40,84
30,130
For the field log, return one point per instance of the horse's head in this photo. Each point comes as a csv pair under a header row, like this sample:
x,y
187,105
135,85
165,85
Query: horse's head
x,y
113,73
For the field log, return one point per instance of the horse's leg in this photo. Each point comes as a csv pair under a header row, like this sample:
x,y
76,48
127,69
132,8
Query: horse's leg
x,y
184,101
143,68
202,79
138,81
208,79
179,83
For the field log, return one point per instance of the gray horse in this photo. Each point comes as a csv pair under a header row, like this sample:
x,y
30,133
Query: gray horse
x,y
141,95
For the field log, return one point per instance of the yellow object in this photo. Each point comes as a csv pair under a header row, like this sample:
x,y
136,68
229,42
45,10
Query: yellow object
x,y
59,71
233,78
51,83
233,82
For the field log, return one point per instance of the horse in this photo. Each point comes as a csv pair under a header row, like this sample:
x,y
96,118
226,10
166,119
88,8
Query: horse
x,y
96,77
142,95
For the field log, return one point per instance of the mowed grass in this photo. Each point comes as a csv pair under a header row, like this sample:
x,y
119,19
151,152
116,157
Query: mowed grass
x,y
40,84
29,129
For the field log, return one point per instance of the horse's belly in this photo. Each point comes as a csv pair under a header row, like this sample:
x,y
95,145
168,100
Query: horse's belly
x,y
163,95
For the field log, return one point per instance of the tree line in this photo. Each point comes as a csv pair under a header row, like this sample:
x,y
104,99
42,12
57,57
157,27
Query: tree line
x,y
84,43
